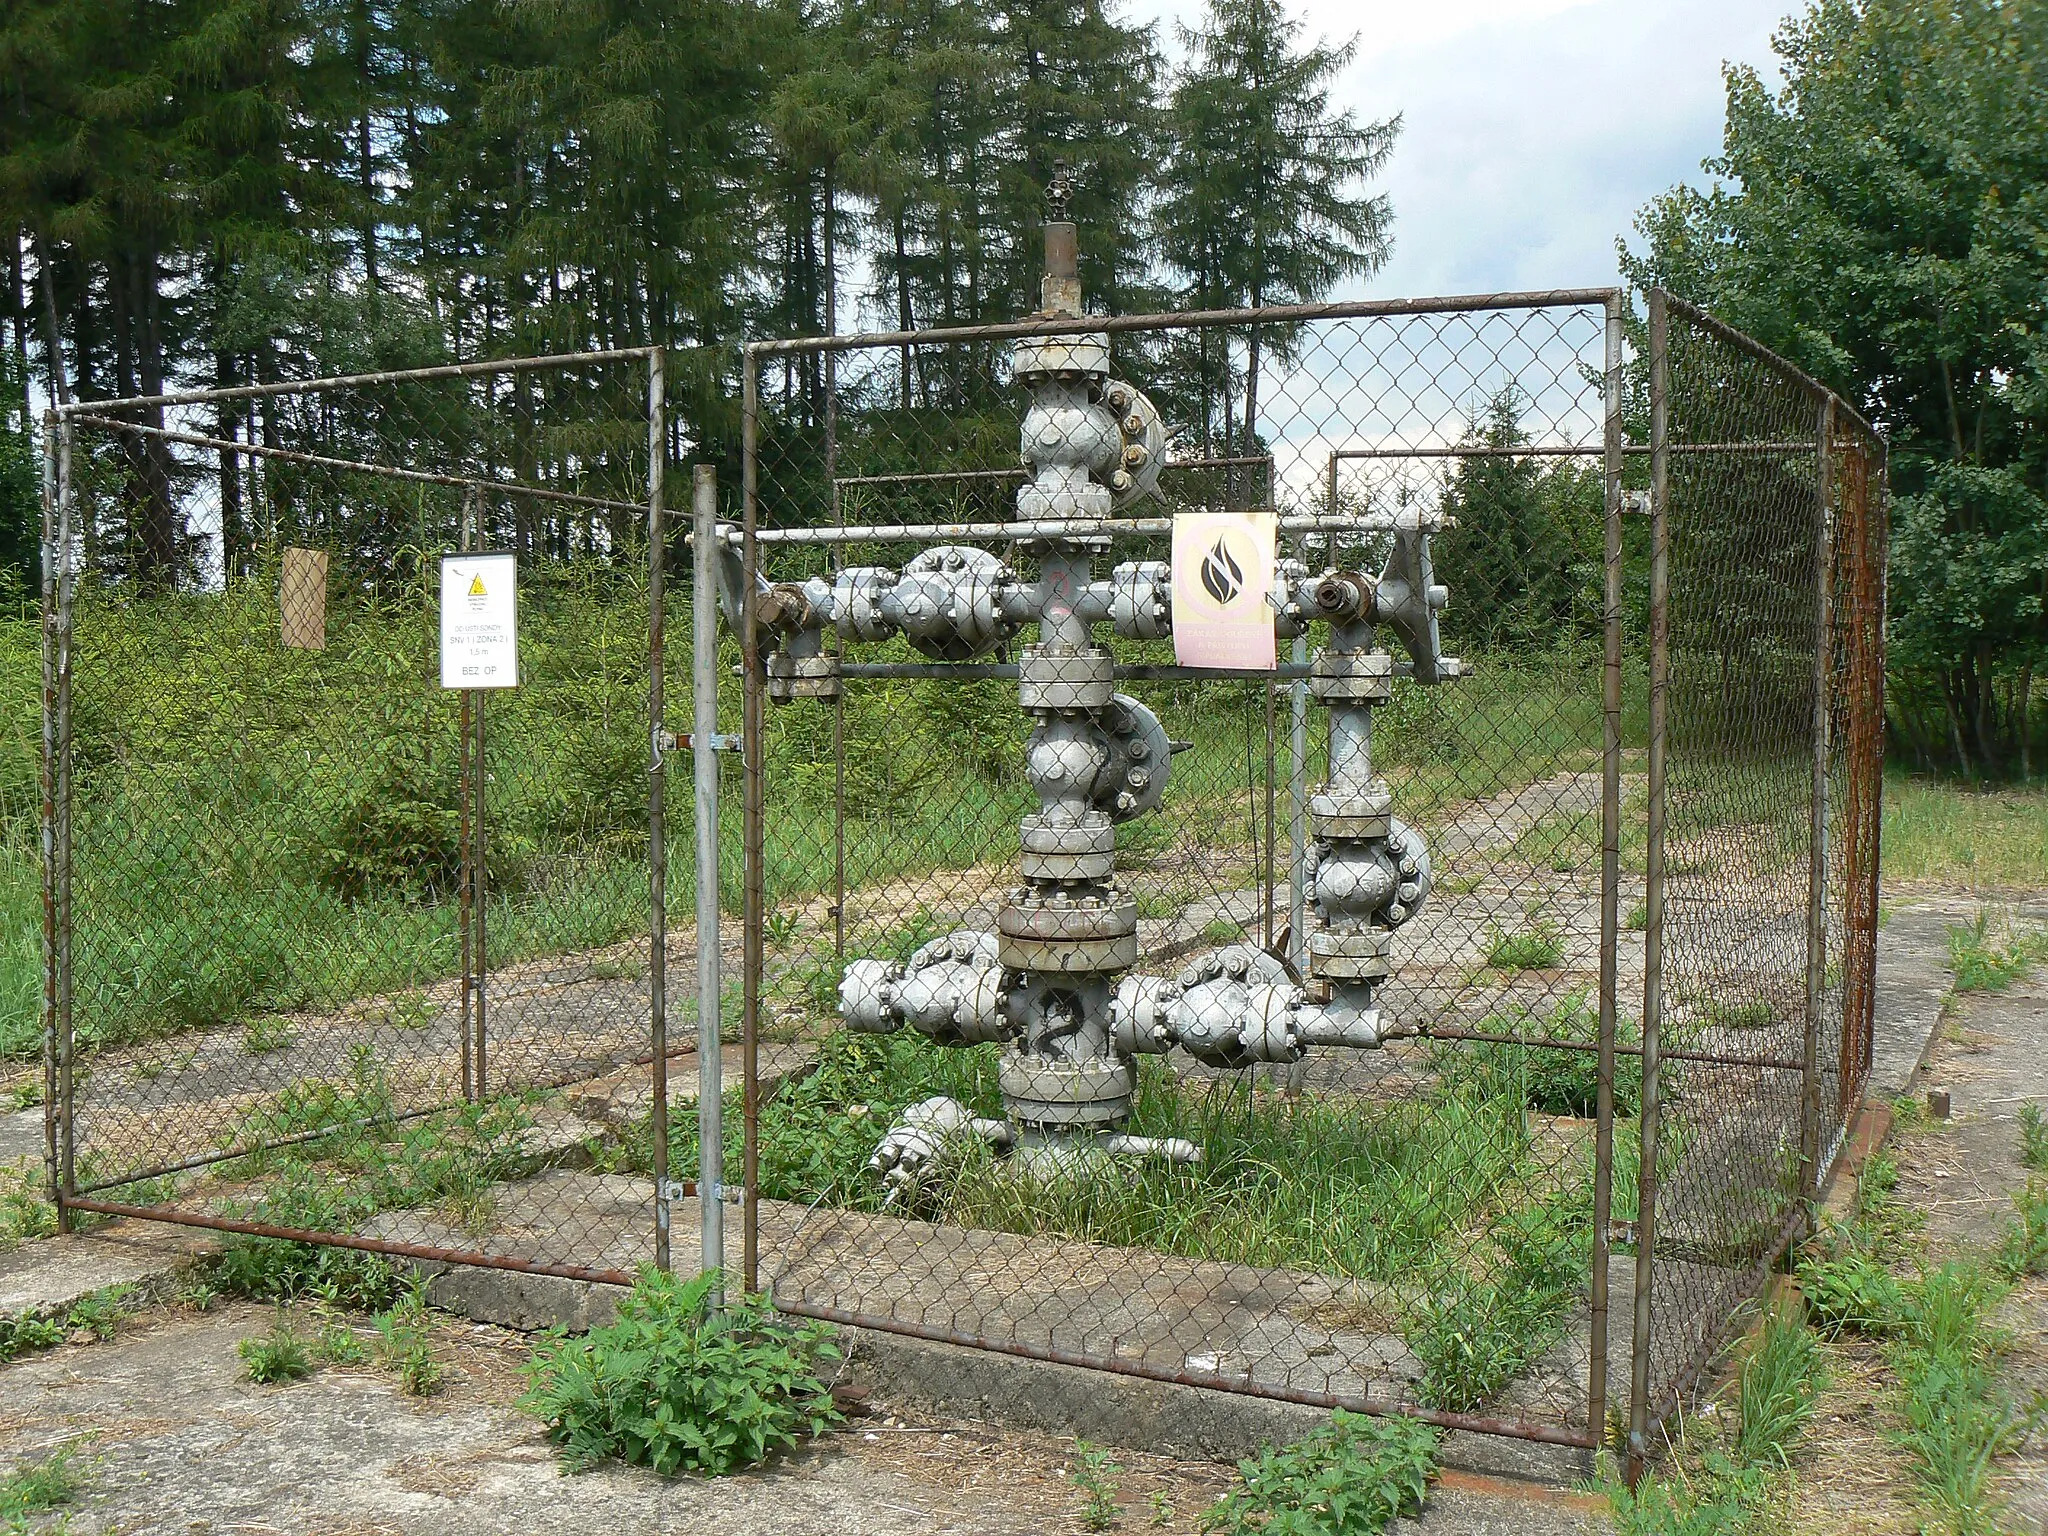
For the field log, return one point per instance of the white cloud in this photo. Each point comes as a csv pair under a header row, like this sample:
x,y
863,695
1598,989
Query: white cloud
x,y
1533,129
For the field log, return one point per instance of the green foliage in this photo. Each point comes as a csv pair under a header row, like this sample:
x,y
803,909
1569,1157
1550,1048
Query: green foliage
x,y
1549,1079
1957,1417
1981,964
1780,1379
1530,536
2033,1138
21,489
1538,948
1875,221
276,1357
37,1487
679,1385
1097,1477
1351,1477
1847,1287
405,1343
24,1332
2023,1248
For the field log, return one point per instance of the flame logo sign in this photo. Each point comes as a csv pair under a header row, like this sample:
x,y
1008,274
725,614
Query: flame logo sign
x,y
1222,577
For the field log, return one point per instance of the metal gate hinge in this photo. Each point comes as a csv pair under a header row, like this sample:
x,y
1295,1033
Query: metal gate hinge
x,y
671,1190
719,741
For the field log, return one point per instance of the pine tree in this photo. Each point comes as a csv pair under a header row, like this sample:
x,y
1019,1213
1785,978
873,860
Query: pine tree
x,y
1262,197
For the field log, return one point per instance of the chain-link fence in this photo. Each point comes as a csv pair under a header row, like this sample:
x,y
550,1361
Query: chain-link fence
x,y
1425,1227
1766,672
336,949
336,952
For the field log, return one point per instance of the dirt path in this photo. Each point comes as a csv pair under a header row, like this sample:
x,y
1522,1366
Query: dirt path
x,y
1961,1174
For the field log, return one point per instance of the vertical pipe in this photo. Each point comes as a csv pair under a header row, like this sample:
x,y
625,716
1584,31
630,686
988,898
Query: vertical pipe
x,y
466,877
1817,812
704,759
1653,894
753,767
1610,882
53,1107
67,581
1272,795
657,784
479,874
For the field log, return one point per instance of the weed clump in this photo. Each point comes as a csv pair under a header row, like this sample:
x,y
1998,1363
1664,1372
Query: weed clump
x,y
1539,948
1350,1477
276,1357
679,1385
1983,965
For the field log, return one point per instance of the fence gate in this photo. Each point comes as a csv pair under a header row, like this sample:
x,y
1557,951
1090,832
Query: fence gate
x,y
335,951
1629,1013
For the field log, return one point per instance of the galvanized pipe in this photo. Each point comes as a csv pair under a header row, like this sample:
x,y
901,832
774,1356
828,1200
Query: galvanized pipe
x,y
657,778
1200,319
355,466
704,762
423,1251
357,380
1045,528
1817,811
753,820
1610,876
1653,931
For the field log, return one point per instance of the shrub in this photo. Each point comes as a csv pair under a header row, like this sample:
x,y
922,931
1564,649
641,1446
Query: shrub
x,y
680,1386
1348,1478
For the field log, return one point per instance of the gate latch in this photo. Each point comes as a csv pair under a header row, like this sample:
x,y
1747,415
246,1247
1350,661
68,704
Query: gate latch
x,y
666,740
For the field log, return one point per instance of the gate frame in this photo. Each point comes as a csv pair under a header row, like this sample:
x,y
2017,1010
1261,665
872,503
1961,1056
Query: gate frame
x,y
60,542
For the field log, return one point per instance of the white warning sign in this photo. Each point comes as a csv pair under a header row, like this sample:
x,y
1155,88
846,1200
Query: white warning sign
x,y
1222,589
479,621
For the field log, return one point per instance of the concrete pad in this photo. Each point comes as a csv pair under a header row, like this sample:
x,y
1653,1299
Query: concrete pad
x,y
54,1274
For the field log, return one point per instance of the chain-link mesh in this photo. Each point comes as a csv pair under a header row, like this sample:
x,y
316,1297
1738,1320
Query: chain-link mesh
x,y
1773,677
336,935
1404,1227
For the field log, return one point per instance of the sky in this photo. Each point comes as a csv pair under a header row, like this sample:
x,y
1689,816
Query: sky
x,y
1532,129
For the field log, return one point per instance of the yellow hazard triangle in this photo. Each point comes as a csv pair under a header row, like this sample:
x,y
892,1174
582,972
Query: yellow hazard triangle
x,y
476,586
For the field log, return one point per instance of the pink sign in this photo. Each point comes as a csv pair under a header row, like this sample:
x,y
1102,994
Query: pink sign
x,y
1222,589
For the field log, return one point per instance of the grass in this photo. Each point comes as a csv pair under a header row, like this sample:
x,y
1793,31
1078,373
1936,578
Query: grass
x,y
2033,1138
1939,832
1984,964
1414,1194
1537,948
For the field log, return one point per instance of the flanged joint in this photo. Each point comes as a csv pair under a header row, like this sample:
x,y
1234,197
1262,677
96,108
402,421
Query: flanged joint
x,y
1050,682
1041,1092
801,677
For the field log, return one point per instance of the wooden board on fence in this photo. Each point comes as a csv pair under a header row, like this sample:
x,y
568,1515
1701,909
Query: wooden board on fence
x,y
302,599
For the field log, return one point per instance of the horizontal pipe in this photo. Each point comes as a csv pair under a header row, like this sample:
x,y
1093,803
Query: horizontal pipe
x,y
1046,528
355,466
1565,450
1434,1032
969,671
1198,319
1520,1429
425,1251
352,380
944,476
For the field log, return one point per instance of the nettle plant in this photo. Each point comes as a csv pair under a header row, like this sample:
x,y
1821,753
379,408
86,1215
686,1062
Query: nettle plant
x,y
681,1386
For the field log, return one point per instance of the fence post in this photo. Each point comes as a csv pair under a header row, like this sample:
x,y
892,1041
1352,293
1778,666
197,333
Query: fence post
x,y
1817,813
657,775
753,809
704,708
55,1109
1653,882
1610,881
